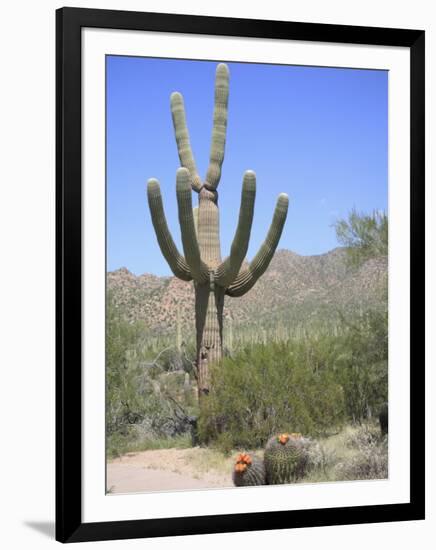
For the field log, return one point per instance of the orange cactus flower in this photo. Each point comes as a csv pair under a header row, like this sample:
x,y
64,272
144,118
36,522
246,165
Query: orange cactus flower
x,y
283,438
243,458
239,468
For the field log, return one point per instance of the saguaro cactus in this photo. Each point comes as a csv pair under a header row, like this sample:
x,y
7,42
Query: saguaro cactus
x,y
213,277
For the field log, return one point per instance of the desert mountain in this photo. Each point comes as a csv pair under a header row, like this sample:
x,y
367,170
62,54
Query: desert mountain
x,y
295,290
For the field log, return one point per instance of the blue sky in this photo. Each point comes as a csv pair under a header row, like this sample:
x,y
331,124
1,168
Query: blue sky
x,y
318,134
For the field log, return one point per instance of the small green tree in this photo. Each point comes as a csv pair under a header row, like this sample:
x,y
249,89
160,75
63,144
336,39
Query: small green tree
x,y
365,236
362,363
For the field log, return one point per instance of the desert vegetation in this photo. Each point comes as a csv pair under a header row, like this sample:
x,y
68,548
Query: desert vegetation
x,y
288,385
326,381
316,383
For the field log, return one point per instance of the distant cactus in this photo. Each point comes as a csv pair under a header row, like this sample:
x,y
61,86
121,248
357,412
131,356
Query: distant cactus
x,y
178,329
213,277
248,470
286,458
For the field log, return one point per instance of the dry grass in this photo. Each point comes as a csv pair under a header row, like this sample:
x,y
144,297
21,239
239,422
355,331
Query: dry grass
x,y
357,452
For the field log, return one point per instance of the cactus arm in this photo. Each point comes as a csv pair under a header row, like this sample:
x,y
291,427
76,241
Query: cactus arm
x,y
229,269
248,278
199,270
169,250
219,126
182,139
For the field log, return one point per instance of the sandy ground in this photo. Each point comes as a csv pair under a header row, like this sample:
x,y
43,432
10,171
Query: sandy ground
x,y
168,470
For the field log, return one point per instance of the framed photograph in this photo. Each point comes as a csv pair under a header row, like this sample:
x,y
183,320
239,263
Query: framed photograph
x,y
240,274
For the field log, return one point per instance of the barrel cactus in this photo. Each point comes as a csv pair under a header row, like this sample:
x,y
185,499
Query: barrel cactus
x,y
248,470
286,458
213,276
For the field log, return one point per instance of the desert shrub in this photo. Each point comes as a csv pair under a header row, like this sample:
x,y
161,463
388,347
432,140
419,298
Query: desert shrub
x,y
119,442
320,457
362,363
145,395
364,437
368,455
364,235
270,388
370,462
225,442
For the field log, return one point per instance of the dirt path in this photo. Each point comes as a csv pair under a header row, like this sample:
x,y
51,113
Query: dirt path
x,y
169,470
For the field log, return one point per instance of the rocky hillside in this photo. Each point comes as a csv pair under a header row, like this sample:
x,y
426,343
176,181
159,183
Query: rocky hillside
x,y
294,290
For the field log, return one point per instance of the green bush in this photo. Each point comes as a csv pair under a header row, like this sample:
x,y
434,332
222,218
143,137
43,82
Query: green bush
x,y
362,364
364,236
271,388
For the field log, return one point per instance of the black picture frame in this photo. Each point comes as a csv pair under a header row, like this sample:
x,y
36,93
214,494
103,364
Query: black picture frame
x,y
69,22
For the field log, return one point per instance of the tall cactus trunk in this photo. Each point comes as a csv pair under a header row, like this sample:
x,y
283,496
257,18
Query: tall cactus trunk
x,y
209,306
209,298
